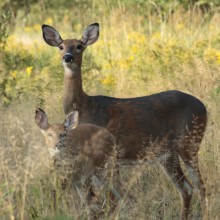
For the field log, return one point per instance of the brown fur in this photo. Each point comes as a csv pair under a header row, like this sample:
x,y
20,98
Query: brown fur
x,y
80,154
166,125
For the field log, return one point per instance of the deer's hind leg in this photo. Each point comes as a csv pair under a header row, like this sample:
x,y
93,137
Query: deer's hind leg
x,y
171,167
192,166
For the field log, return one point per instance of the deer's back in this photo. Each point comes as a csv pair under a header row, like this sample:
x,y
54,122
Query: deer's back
x,y
136,122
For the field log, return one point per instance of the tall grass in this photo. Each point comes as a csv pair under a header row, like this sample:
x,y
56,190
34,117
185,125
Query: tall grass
x,y
138,53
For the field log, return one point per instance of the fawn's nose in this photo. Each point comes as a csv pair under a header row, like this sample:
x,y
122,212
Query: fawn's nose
x,y
68,58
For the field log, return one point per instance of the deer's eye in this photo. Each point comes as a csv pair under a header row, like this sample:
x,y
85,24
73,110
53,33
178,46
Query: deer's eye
x,y
79,47
61,47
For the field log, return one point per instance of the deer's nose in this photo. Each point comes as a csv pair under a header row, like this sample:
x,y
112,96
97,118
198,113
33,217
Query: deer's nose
x,y
68,58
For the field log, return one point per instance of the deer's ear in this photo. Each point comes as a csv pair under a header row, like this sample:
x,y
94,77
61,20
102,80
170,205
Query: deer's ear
x,y
72,120
41,119
51,35
90,34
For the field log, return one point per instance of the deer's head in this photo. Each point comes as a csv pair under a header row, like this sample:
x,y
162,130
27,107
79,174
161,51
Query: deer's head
x,y
55,134
71,49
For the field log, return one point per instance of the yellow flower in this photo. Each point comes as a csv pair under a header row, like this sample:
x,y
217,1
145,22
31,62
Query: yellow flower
x,y
131,58
37,27
156,36
14,74
109,80
29,70
28,29
134,49
180,26
212,55
49,21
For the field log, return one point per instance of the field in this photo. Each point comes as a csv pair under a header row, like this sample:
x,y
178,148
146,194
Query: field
x,y
144,47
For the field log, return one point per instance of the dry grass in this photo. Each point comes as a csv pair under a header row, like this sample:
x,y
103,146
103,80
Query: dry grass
x,y
26,180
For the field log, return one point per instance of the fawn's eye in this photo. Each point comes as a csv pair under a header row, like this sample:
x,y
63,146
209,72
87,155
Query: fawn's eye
x,y
60,47
50,135
79,47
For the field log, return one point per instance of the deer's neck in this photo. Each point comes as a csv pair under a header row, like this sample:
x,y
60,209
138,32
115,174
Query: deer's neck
x,y
73,96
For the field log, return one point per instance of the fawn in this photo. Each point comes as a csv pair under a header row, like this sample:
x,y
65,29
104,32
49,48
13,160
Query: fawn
x,y
83,156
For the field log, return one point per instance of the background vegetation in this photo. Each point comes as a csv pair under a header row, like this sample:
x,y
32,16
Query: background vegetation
x,y
144,47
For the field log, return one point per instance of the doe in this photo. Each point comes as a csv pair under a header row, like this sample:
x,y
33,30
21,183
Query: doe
x,y
165,126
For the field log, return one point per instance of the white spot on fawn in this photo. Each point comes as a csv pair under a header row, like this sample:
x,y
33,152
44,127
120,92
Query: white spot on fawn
x,y
53,152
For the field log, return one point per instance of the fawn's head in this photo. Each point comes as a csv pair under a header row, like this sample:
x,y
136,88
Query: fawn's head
x,y
71,49
55,134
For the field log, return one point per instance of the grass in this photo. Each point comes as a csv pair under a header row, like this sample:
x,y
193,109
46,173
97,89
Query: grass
x,y
134,56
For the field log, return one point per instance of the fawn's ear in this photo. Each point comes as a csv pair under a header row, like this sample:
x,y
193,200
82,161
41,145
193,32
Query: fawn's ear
x,y
72,120
90,34
41,119
51,35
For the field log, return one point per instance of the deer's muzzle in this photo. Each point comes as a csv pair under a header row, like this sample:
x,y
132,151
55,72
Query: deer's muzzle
x,y
68,58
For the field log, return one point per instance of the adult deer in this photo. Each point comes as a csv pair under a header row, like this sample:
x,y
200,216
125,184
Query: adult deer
x,y
163,126
83,155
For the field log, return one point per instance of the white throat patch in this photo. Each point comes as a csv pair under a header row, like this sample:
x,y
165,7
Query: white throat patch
x,y
69,68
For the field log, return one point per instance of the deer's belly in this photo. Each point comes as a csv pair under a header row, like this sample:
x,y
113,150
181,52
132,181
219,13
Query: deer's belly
x,y
145,160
